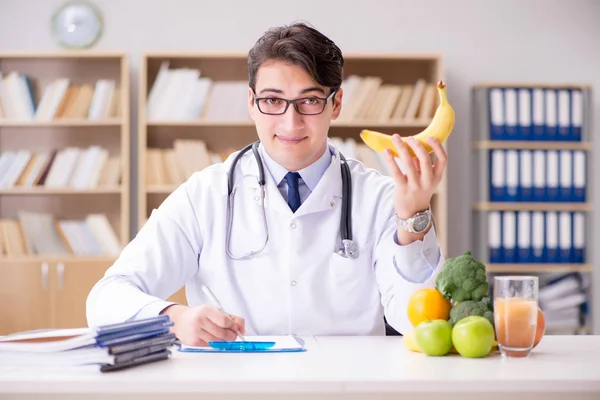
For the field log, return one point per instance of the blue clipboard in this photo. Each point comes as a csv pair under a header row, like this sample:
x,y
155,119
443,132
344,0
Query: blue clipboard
x,y
238,346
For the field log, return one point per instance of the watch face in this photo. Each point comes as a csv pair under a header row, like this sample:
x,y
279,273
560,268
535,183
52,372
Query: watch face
x,y
420,222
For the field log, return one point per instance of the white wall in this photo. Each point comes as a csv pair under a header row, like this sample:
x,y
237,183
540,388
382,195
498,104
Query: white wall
x,y
511,40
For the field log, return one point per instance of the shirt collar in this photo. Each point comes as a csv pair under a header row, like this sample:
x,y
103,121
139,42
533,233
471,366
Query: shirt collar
x,y
310,175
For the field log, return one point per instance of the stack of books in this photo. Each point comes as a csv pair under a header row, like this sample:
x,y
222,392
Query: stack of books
x,y
104,348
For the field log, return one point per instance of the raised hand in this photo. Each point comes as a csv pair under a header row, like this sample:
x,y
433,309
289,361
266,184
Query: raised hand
x,y
416,186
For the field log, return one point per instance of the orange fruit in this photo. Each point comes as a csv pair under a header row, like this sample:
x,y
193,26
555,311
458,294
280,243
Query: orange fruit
x,y
427,305
540,328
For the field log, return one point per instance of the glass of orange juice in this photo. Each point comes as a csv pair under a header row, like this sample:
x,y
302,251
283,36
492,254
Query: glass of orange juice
x,y
515,314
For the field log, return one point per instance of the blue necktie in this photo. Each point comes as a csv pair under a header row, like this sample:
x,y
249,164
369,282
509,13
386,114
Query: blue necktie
x,y
293,194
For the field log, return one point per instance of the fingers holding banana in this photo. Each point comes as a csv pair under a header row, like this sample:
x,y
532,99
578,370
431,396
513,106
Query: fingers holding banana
x,y
418,170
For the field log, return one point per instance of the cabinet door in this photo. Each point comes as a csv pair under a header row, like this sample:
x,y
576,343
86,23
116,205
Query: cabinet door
x,y
24,296
72,282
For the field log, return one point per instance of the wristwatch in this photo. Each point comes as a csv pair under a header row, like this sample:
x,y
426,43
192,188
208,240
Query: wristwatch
x,y
417,223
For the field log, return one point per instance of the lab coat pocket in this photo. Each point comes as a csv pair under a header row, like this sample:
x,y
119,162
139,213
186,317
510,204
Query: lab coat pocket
x,y
352,283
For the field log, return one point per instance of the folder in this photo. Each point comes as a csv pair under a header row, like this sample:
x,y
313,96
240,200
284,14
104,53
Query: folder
x,y
105,348
524,237
566,176
551,246
524,240
552,176
495,237
538,112
564,237
509,236
512,175
579,237
496,113
539,175
525,186
525,131
576,114
564,115
253,344
551,117
579,176
510,114
498,175
537,236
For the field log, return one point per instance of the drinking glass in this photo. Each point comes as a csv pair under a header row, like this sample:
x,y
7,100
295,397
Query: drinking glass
x,y
515,314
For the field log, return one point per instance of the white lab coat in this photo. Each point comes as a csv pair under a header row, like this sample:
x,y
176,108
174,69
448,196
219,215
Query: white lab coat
x,y
297,284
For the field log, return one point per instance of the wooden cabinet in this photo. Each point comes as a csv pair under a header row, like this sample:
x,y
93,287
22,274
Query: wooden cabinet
x,y
46,293
25,296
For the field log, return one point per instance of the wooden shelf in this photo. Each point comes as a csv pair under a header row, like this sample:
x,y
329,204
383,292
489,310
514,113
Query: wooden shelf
x,y
55,258
542,85
160,189
61,191
536,268
531,206
62,56
60,123
532,145
352,56
250,124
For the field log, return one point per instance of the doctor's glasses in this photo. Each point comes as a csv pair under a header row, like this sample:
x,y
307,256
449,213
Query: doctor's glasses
x,y
312,105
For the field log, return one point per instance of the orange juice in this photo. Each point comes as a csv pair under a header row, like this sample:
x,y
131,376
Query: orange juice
x,y
515,320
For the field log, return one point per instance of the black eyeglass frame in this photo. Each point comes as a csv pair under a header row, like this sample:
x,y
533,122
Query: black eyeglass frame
x,y
294,102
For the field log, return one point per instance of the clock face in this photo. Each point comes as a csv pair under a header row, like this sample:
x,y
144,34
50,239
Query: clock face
x,y
77,24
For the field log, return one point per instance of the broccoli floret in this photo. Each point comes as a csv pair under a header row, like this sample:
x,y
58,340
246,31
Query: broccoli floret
x,y
463,278
466,308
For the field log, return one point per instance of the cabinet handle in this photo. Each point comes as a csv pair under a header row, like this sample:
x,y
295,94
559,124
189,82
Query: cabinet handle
x,y
60,268
45,270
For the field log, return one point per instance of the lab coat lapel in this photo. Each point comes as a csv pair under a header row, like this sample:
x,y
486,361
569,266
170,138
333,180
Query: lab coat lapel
x,y
273,198
327,192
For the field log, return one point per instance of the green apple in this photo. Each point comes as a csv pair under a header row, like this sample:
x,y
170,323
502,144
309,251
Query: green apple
x,y
473,336
434,337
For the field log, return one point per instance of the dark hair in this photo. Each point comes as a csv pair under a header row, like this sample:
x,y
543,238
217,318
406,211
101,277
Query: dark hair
x,y
301,45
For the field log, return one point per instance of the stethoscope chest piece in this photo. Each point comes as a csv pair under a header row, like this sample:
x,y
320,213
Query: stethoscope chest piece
x,y
349,249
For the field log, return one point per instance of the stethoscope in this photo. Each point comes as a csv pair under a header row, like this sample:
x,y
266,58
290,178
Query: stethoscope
x,y
348,248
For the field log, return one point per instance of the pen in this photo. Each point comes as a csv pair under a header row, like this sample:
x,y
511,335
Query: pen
x,y
217,304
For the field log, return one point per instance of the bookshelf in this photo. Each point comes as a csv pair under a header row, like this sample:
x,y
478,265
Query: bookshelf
x,y
532,193
64,182
181,131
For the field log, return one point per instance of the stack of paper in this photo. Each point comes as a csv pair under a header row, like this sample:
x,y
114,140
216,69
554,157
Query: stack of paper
x,y
109,347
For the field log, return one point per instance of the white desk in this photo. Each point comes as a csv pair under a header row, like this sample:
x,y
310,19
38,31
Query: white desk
x,y
333,368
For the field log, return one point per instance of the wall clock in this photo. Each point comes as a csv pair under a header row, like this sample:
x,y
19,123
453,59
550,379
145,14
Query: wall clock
x,y
77,24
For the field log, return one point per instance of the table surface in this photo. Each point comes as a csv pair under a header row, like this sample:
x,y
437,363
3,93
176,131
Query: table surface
x,y
334,365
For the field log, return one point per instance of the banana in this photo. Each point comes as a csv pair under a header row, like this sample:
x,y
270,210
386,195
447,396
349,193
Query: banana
x,y
440,128
410,342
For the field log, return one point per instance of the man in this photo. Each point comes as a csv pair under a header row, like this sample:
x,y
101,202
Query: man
x,y
297,283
